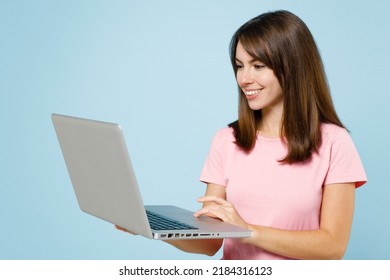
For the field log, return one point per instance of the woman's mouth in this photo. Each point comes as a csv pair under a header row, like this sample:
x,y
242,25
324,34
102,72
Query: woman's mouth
x,y
252,92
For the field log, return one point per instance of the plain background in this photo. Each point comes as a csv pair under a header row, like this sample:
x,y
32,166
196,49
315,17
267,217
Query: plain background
x,y
161,69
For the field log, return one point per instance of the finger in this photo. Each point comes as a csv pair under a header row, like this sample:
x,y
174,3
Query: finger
x,y
215,199
120,228
211,211
207,210
124,230
203,212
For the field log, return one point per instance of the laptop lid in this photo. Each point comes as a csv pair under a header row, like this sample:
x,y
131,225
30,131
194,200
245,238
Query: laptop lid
x,y
105,184
93,153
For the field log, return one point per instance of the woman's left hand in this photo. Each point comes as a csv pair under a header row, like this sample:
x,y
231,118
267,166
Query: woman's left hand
x,y
222,209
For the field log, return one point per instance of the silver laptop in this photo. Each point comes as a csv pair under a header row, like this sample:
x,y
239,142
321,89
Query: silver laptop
x,y
105,185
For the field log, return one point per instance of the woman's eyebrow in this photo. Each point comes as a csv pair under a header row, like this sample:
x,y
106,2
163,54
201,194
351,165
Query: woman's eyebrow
x,y
253,60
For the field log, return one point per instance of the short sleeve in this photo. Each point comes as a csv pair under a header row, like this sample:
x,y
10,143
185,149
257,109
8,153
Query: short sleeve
x,y
345,164
213,169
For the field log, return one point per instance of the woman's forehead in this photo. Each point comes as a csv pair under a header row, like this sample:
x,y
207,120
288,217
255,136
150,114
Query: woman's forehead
x,y
257,49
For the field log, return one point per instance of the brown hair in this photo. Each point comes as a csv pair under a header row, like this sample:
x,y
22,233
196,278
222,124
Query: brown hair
x,y
282,41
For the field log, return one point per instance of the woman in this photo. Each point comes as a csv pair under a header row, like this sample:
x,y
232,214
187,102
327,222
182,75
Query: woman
x,y
287,168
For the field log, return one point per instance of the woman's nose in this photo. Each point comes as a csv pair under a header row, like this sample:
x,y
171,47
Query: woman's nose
x,y
245,77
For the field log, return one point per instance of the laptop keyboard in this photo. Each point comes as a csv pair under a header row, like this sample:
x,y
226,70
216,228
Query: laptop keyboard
x,y
158,222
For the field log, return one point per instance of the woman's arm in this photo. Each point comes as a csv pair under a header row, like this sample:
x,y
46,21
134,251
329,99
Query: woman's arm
x,y
328,242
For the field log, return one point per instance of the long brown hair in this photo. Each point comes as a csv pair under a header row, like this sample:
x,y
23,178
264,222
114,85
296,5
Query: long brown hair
x,y
282,41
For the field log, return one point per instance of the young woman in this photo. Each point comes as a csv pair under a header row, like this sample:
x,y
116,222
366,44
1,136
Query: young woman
x,y
287,169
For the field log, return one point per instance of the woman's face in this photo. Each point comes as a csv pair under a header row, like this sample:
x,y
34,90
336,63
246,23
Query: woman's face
x,y
258,82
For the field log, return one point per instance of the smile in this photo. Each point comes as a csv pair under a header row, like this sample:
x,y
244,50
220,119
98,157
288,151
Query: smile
x,y
252,92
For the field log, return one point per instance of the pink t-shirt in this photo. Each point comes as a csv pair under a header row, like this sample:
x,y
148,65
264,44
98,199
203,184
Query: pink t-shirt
x,y
269,193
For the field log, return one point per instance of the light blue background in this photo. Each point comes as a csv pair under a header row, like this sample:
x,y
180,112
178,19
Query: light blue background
x,y
161,69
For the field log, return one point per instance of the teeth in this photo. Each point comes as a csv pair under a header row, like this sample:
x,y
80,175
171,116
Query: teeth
x,y
252,92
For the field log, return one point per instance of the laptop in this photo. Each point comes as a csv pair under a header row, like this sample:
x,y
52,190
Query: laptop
x,y
106,187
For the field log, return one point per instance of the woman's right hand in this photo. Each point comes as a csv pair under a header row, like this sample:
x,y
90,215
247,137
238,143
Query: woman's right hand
x,y
124,230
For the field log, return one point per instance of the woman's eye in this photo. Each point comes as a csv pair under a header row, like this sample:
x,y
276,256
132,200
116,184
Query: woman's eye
x,y
259,66
238,66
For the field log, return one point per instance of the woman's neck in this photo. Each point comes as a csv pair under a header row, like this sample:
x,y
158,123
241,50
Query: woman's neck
x,y
270,124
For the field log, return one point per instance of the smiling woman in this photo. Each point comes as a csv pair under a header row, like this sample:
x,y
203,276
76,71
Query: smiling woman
x,y
162,69
287,169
